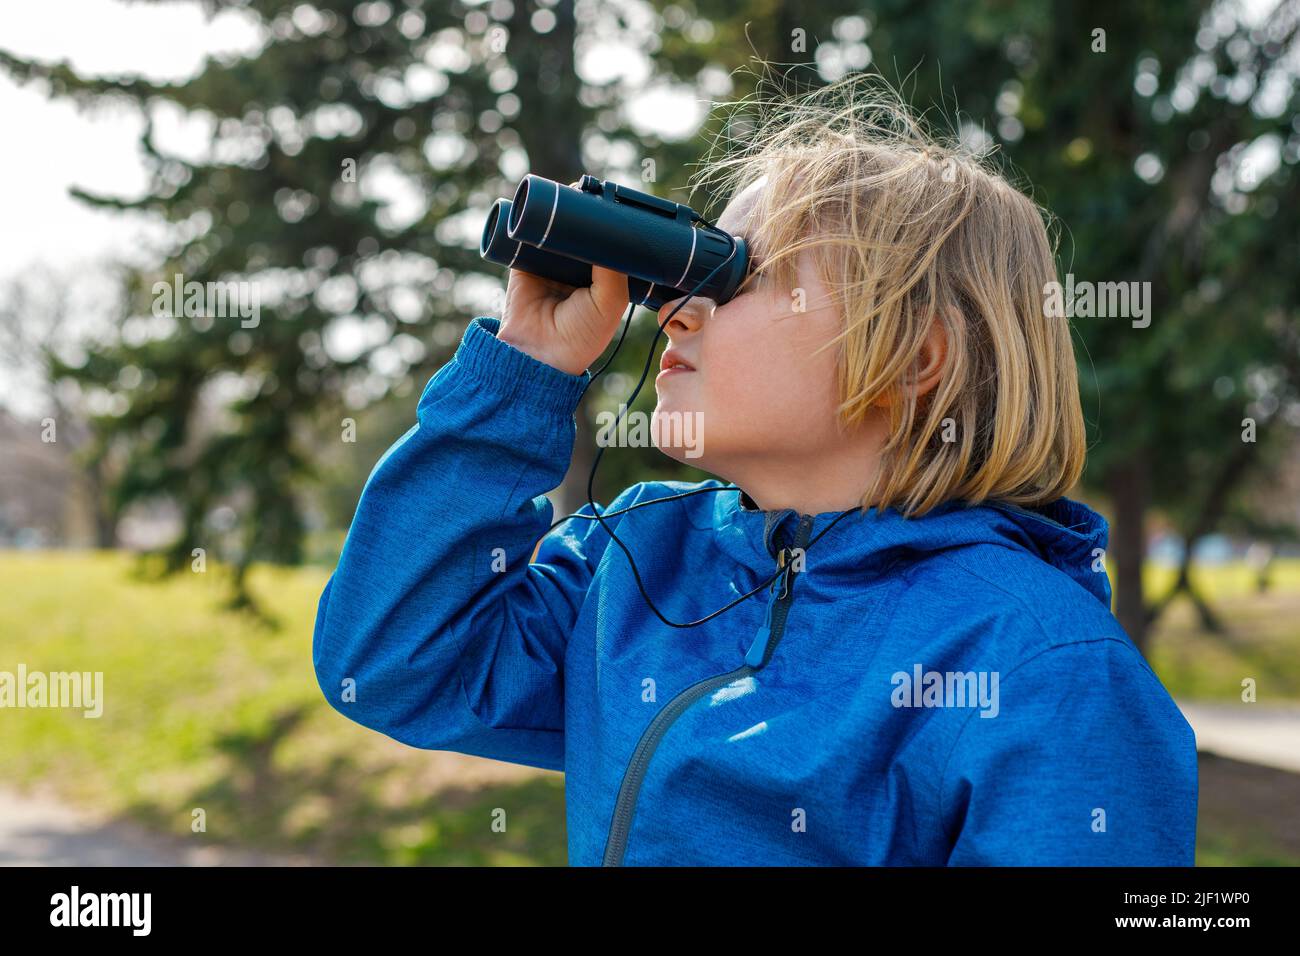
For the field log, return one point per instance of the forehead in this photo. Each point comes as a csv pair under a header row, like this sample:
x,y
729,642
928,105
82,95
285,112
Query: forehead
x,y
735,217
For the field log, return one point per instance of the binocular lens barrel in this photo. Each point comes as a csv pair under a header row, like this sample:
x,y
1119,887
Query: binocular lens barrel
x,y
559,232
496,246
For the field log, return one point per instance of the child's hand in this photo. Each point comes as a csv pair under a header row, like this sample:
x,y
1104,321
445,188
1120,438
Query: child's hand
x,y
563,326
559,324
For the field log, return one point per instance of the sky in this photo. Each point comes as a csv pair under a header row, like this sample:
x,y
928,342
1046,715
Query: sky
x,y
57,147
98,150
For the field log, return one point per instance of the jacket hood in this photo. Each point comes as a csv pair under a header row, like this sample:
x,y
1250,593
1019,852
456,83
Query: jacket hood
x,y
1065,534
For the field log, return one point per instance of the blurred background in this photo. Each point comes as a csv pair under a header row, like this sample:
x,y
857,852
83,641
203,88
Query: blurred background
x,y
174,488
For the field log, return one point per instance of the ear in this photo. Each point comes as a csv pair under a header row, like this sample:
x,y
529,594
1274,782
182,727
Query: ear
x,y
928,368
932,357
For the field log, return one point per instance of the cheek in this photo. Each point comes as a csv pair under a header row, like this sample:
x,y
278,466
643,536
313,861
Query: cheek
x,y
817,372
760,373
744,366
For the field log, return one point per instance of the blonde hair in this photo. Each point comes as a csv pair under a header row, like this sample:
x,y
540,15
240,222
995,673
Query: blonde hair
x,y
911,228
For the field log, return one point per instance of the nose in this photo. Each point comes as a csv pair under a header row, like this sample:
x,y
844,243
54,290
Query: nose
x,y
692,313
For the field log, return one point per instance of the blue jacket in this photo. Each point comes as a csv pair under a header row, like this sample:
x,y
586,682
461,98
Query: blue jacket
x,y
950,689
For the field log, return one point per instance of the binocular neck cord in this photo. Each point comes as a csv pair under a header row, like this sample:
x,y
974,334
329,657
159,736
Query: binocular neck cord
x,y
591,478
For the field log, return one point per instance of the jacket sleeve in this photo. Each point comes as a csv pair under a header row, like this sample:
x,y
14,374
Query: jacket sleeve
x,y
1088,762
435,628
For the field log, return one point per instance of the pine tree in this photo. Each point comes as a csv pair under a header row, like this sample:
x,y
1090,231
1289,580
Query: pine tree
x,y
226,415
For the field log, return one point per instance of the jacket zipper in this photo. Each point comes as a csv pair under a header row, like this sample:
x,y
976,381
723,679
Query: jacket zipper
x,y
769,635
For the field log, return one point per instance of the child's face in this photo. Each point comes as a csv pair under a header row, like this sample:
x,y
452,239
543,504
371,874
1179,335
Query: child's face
x,y
757,398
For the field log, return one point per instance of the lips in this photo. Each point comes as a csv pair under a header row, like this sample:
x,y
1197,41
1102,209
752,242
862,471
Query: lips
x,y
674,359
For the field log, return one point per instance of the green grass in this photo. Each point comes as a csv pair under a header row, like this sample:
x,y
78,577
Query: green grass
x,y
1232,580
1261,638
208,708
1215,849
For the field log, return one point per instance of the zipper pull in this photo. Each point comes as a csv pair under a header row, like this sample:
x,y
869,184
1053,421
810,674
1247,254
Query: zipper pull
x,y
758,650
754,656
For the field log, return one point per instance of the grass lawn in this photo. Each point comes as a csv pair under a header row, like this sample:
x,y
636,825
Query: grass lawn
x,y
1261,639
210,709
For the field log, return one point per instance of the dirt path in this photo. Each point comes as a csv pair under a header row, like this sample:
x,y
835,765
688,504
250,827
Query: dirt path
x,y
1264,734
38,830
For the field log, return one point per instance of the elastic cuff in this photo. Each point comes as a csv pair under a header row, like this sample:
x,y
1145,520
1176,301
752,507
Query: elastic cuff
x,y
513,374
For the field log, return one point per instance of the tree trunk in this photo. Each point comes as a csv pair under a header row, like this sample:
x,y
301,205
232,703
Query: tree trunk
x,y
556,153
1231,473
1128,487
104,520
1183,585
572,493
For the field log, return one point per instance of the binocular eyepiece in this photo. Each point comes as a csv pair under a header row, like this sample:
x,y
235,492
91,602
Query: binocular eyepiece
x,y
559,232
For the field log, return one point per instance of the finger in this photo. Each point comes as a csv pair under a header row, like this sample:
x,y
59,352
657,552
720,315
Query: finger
x,y
538,284
608,290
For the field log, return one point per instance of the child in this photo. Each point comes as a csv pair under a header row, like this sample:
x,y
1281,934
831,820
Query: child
x,y
933,677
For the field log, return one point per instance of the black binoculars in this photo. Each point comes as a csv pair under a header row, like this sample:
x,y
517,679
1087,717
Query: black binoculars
x,y
559,232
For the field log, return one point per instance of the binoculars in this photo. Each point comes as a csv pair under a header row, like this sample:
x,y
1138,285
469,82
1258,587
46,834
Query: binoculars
x,y
559,232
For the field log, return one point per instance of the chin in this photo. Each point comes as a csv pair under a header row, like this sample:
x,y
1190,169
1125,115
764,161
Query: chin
x,y
679,433
679,455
